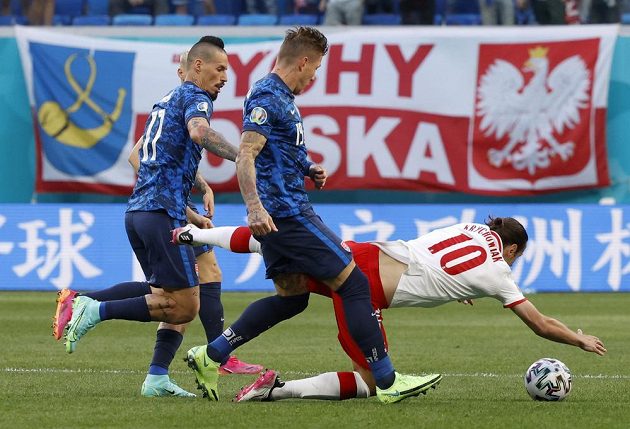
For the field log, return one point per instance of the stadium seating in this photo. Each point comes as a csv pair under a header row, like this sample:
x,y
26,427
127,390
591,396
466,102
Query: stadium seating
x,y
131,19
6,20
299,19
259,19
174,20
92,20
97,7
228,7
440,11
216,20
625,19
69,8
62,20
463,19
381,19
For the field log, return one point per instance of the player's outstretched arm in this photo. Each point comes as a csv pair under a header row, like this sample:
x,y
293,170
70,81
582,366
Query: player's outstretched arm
x,y
258,219
554,330
212,141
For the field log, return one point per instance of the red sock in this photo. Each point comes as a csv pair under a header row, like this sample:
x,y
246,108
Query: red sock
x,y
239,242
347,385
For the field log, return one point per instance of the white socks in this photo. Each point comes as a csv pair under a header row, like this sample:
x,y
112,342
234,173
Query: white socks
x,y
237,239
330,385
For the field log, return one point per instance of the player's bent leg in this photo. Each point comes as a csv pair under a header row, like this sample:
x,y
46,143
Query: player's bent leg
x,y
406,386
211,310
175,306
366,377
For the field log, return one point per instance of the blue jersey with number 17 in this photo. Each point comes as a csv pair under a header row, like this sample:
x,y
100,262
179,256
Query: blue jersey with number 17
x,y
168,156
282,164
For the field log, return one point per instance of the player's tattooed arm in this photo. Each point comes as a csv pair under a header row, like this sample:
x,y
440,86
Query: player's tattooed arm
x,y
251,145
258,220
212,141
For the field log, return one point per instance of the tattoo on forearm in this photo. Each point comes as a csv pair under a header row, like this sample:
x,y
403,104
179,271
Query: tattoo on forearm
x,y
200,184
251,145
212,141
217,144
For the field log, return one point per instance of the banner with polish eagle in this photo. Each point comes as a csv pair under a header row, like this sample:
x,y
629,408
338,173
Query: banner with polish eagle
x,y
500,111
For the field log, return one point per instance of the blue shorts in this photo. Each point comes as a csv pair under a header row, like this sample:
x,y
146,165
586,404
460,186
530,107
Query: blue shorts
x,y
164,264
199,250
303,244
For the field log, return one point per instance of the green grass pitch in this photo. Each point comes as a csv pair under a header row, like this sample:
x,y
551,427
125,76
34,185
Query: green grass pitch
x,y
482,352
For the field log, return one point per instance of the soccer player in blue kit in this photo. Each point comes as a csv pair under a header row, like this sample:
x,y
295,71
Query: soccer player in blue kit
x,y
271,166
175,134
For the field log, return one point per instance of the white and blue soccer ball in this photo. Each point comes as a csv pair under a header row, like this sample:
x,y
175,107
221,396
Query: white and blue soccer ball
x,y
548,380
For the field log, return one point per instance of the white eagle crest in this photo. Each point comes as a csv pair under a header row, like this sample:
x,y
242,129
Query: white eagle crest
x,y
550,102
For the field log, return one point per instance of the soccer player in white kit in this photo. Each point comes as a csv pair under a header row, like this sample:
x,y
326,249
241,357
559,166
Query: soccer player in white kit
x,y
457,263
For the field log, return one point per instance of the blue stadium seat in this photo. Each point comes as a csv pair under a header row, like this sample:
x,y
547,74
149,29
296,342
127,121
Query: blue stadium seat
x,y
173,19
70,8
131,19
216,20
228,7
625,18
257,19
7,20
62,20
463,19
92,20
97,7
440,11
299,19
15,7
461,7
381,19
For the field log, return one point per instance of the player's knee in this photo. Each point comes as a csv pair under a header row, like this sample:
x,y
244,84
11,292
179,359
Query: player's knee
x,y
294,304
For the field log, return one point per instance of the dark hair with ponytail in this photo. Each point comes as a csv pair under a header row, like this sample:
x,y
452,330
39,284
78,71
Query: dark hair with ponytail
x,y
510,230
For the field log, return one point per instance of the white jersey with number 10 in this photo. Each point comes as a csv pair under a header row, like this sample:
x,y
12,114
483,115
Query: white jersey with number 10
x,y
463,261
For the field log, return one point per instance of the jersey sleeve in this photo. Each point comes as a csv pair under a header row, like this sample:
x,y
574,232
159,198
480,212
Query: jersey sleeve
x,y
260,113
197,104
509,293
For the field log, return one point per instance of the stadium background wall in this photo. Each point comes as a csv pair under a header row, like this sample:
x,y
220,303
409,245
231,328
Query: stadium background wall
x,y
17,151
572,248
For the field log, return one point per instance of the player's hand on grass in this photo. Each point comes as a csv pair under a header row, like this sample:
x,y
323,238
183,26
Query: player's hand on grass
x,y
591,343
466,301
259,222
318,175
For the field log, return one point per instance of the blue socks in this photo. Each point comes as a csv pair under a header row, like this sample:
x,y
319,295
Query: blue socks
x,y
166,344
211,309
126,309
256,319
120,291
363,326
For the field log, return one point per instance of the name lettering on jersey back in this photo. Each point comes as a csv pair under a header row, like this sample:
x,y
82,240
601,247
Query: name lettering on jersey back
x,y
495,252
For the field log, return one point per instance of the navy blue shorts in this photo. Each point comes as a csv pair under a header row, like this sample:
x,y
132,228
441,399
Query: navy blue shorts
x,y
199,250
303,244
164,264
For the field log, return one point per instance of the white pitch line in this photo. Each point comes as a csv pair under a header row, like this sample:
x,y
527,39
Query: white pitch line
x,y
292,373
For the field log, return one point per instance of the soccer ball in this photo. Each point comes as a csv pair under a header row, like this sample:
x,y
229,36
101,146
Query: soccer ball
x,y
548,380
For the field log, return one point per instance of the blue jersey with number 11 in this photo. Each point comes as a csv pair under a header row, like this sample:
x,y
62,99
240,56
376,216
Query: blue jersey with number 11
x,y
282,164
168,156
